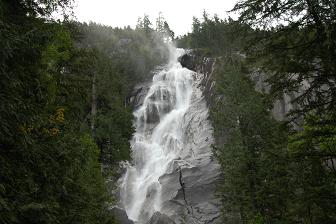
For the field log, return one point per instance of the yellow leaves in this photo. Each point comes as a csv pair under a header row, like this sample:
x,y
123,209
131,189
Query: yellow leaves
x,y
26,129
55,119
49,128
51,132
54,131
58,117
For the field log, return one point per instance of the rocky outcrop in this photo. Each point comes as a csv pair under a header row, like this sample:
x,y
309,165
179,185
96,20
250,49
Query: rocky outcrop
x,y
281,106
191,198
188,61
159,218
136,97
188,191
120,216
189,195
196,60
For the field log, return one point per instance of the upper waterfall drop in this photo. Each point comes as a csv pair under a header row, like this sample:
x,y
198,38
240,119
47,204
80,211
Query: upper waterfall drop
x,y
157,140
163,142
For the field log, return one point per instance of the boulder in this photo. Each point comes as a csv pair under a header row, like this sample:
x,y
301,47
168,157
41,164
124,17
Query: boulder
x,y
158,218
187,61
121,216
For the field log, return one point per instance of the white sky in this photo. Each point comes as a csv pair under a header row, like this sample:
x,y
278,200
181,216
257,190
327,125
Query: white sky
x,y
178,13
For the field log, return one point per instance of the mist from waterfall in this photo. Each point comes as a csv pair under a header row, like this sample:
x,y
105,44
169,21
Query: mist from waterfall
x,y
158,139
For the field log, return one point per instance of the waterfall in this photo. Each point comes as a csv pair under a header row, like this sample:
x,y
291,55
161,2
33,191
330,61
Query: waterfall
x,y
160,139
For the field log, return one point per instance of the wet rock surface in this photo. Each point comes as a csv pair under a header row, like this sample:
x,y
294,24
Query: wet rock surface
x,y
159,218
188,187
188,61
137,96
284,104
196,60
120,216
188,191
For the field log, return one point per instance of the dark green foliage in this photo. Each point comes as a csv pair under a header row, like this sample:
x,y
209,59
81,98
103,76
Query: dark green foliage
x,y
163,29
49,172
297,43
119,59
251,152
133,52
267,179
313,151
52,142
57,179
215,36
296,47
273,173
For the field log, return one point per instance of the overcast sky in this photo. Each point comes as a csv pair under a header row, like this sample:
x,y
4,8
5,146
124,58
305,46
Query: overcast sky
x,y
178,13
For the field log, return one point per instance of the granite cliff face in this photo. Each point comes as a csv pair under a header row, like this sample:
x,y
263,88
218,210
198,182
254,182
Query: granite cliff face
x,y
187,187
282,106
185,191
196,61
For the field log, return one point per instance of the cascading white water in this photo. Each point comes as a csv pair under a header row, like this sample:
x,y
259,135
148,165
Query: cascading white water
x,y
158,139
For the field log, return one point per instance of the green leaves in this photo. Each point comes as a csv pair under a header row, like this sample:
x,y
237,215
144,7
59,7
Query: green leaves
x,y
271,172
250,147
215,36
317,139
50,154
295,48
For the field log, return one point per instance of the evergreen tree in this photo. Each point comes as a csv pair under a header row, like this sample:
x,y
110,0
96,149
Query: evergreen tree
x,y
273,173
65,112
297,47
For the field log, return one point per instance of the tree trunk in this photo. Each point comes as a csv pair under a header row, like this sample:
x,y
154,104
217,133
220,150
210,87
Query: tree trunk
x,y
94,101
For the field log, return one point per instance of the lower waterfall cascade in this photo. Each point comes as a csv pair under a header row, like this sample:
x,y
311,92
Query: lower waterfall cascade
x,y
172,136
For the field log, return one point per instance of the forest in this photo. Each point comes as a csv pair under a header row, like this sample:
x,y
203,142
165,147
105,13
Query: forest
x,y
275,171
66,119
